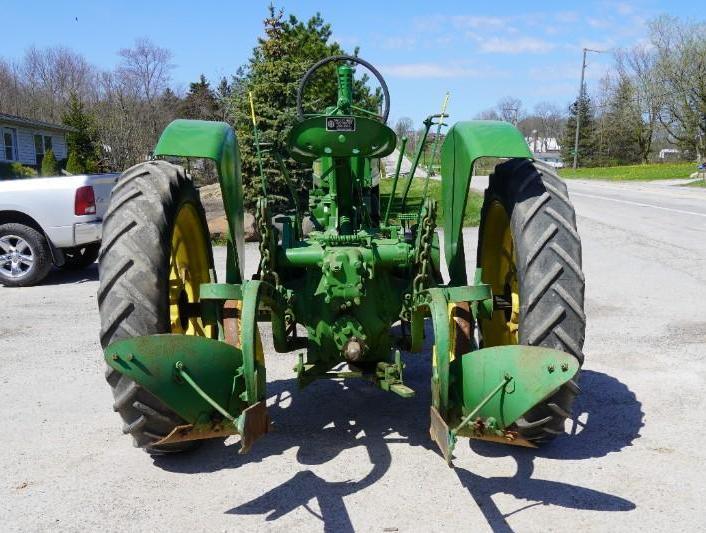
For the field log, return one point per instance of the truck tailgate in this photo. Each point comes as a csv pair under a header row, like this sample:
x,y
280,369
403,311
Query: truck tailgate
x,y
102,186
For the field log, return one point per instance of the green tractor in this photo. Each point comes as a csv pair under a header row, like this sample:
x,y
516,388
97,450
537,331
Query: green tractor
x,y
184,353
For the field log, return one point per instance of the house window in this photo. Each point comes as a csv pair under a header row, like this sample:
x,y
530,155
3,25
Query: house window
x,y
9,144
42,143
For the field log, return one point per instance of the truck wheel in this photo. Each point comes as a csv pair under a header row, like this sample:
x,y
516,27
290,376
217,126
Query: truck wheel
x,y
155,254
530,253
78,258
25,258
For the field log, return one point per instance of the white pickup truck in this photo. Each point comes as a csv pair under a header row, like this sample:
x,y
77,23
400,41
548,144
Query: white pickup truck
x,y
50,221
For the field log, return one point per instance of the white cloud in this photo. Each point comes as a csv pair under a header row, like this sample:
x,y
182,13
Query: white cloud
x,y
599,23
434,70
532,45
399,42
479,22
624,8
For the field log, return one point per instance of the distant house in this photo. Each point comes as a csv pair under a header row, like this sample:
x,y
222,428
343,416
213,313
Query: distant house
x,y
26,141
546,149
669,154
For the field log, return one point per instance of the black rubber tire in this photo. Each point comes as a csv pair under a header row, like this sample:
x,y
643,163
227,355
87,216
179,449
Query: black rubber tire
x,y
133,295
79,258
41,254
551,281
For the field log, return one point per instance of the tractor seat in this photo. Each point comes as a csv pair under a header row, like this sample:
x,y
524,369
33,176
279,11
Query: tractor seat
x,y
340,136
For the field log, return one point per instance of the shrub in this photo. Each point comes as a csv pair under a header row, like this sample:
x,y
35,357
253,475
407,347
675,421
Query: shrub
x,y
16,170
74,165
49,165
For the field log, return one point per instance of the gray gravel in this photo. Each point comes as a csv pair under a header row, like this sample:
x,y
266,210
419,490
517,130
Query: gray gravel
x,y
345,456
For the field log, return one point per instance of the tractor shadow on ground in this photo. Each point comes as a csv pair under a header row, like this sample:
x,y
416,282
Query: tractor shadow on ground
x,y
325,420
607,418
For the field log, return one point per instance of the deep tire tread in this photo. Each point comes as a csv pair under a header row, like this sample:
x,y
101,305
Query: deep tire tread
x,y
133,291
548,252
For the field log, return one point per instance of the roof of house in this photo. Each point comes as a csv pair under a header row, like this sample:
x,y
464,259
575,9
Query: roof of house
x,y
23,121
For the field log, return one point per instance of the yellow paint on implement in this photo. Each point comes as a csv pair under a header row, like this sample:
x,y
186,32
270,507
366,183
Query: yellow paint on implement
x,y
188,269
461,328
500,272
252,109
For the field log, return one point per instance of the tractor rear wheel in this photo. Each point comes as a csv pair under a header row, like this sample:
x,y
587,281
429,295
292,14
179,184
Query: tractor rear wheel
x,y
155,254
530,253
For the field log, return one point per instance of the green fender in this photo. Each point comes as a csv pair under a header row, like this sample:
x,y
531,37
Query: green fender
x,y
464,144
215,141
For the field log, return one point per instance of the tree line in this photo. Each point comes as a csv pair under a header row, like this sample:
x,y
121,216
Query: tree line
x,y
655,97
118,114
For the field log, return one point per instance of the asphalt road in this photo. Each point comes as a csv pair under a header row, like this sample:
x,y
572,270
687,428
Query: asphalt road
x,y
345,456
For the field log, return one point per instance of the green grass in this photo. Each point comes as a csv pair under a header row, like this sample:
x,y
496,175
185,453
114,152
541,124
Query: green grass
x,y
471,216
654,171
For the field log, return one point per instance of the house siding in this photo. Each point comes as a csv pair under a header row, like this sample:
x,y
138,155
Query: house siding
x,y
25,143
25,147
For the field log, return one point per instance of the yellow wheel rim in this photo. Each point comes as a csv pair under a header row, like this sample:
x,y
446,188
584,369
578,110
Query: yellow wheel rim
x,y
188,269
499,266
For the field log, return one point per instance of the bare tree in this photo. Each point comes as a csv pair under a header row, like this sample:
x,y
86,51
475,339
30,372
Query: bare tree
x,y
10,88
487,114
146,66
680,69
132,109
638,65
50,76
403,127
510,109
551,122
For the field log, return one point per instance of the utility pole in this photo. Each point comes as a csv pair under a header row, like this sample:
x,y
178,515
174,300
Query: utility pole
x,y
579,103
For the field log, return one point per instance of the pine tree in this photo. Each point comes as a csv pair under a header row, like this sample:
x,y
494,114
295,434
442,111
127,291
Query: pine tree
x,y
200,102
623,125
73,164
587,133
49,164
272,75
81,143
223,95
170,104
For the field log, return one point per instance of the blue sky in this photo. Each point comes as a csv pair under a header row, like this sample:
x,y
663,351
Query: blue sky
x,y
479,51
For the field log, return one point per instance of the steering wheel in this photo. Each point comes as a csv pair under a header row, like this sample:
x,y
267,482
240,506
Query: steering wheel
x,y
326,61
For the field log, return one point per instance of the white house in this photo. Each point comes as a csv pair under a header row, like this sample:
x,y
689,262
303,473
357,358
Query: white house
x,y
26,141
546,149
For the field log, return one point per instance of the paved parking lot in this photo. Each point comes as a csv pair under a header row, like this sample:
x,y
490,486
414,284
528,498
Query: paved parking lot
x,y
345,456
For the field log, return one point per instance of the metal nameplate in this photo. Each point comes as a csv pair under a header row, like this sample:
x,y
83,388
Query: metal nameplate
x,y
340,123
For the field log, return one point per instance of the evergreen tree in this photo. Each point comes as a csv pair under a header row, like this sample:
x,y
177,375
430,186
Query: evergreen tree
x,y
171,105
223,95
200,102
272,75
587,133
73,164
623,125
81,143
49,165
